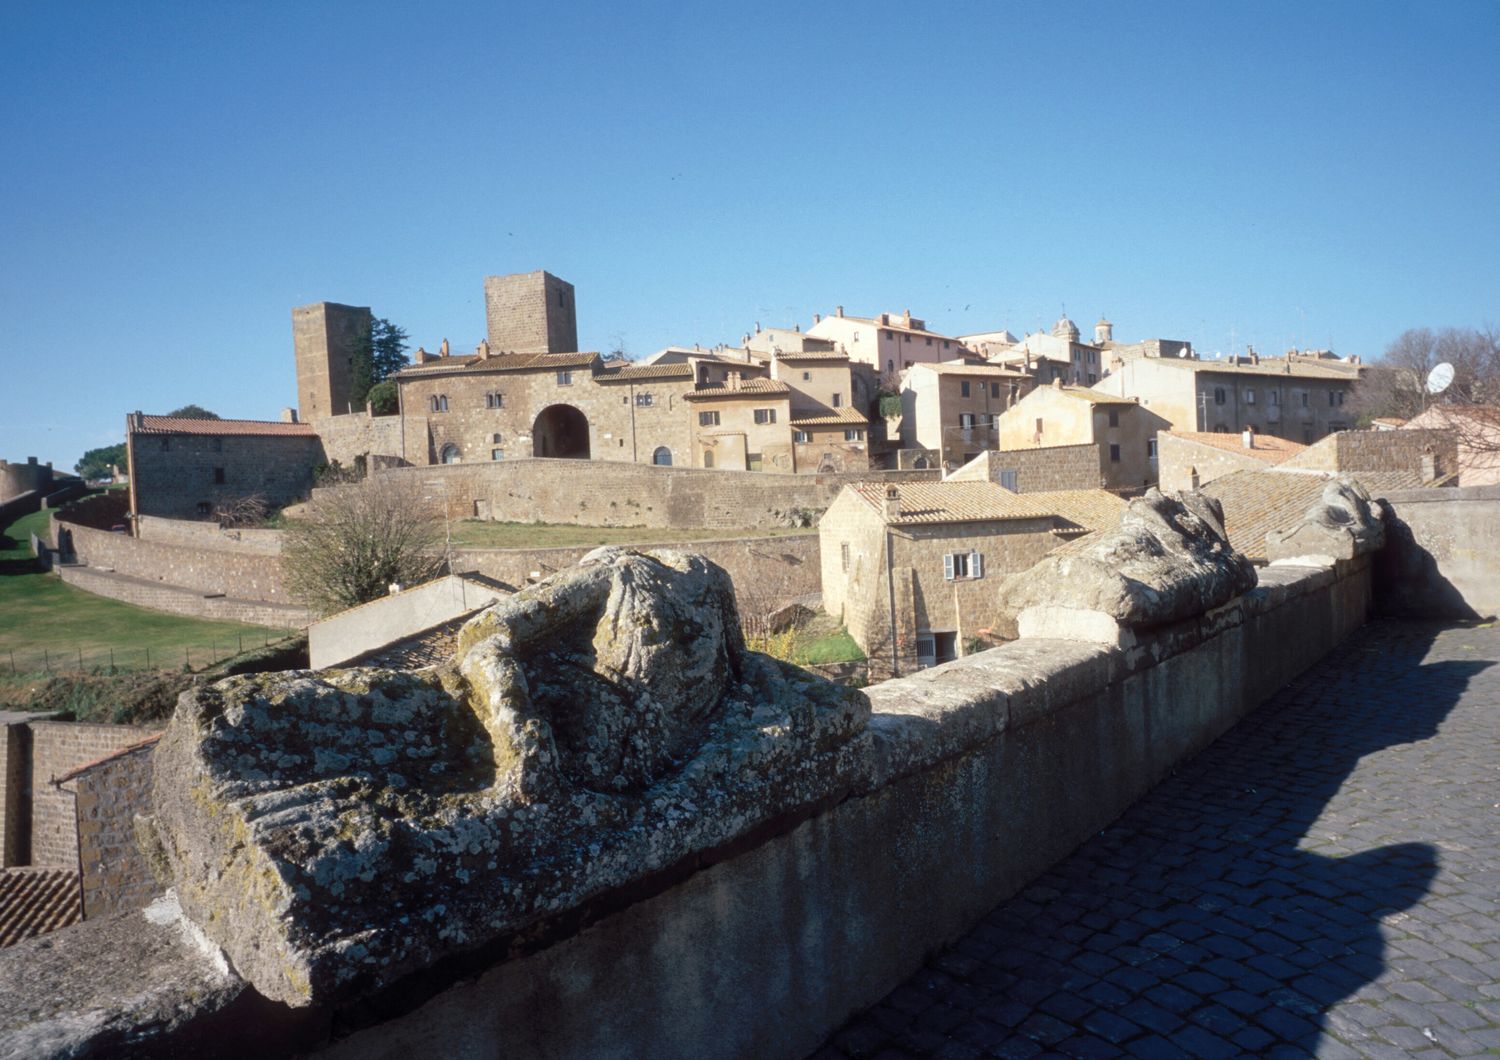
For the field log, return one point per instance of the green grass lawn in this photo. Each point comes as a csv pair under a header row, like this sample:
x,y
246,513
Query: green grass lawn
x,y
835,647
44,623
478,533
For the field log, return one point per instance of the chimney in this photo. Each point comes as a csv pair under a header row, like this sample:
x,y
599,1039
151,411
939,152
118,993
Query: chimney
x,y
757,327
838,310
289,415
885,318
797,328
817,318
138,420
891,509
443,349
734,380
1248,438
1254,357
906,317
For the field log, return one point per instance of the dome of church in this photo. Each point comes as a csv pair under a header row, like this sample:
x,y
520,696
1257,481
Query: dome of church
x,y
1065,329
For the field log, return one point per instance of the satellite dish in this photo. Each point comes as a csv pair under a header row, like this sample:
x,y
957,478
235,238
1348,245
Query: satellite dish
x,y
1440,378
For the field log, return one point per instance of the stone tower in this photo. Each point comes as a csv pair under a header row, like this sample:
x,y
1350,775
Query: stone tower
x,y
1104,332
530,312
323,337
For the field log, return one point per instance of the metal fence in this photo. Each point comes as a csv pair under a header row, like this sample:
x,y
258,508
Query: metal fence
x,y
64,659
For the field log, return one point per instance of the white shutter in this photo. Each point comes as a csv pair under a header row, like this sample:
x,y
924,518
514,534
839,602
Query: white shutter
x,y
948,566
976,565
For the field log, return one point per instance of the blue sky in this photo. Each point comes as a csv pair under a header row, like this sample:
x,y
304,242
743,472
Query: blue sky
x,y
177,176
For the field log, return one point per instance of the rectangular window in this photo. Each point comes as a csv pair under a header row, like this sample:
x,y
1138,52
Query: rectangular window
x,y
1341,397
1249,397
806,376
994,390
565,378
1273,396
1038,426
1114,417
929,342
1008,479
497,454
1114,454
854,434
844,557
765,415
966,420
1218,395
802,437
753,461
1330,399
218,476
1304,399
494,400
945,344
885,334
1150,448
838,400
708,419
495,438
643,400
958,566
963,388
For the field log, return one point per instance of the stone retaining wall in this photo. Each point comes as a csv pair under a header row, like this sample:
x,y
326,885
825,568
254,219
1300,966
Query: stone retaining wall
x,y
607,493
205,534
234,570
1442,558
180,601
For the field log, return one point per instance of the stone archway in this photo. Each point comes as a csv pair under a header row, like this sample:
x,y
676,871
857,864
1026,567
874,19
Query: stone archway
x,y
560,431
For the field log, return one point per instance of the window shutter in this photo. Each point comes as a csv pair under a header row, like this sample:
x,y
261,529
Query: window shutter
x,y
976,565
948,566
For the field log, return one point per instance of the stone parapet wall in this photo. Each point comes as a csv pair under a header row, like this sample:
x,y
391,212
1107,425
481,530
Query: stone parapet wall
x,y
601,493
179,601
1442,557
197,533
979,775
234,571
57,748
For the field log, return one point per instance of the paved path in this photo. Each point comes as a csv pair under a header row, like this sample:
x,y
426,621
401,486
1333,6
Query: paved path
x,y
1324,879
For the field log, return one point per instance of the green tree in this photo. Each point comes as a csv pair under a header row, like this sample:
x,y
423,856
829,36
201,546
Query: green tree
x,y
194,412
95,463
383,398
378,353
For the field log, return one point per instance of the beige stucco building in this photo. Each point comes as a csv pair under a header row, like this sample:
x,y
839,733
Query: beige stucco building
x,y
1122,432
951,409
1300,398
889,343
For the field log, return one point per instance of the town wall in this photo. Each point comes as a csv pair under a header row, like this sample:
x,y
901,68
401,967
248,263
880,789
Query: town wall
x,y
57,747
24,478
594,493
107,796
1018,755
1442,554
234,571
347,438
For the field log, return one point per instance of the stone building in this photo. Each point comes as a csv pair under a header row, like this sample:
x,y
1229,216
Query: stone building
x,y
324,335
924,559
950,409
532,312
1297,397
189,468
1122,432
1476,430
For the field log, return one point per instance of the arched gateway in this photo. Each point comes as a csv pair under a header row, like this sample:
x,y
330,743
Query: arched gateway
x,y
560,431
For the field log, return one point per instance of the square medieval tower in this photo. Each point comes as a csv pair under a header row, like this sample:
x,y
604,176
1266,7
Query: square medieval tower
x,y
323,337
530,312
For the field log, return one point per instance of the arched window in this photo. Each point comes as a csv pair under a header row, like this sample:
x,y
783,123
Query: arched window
x,y
708,458
662,457
450,454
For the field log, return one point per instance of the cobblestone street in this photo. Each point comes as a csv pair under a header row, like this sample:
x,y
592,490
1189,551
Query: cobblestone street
x,y
1323,880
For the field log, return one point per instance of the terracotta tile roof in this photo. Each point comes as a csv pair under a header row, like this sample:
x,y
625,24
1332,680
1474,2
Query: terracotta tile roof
x,y
1268,447
639,373
500,362
748,388
950,502
812,355
844,417
149,741
987,371
37,901
1389,421
182,425
1256,502
1295,369
1085,509
1095,397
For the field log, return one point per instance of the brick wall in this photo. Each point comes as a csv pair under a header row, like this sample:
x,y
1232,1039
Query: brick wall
x,y
108,796
57,748
595,493
233,571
